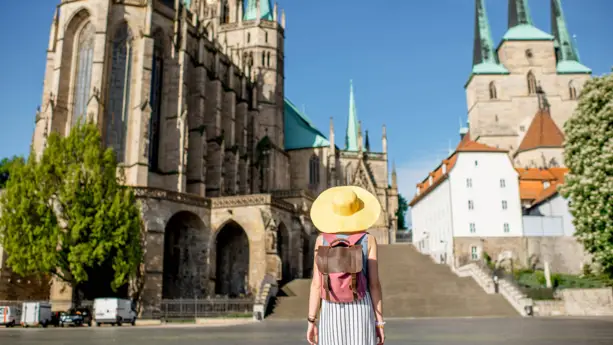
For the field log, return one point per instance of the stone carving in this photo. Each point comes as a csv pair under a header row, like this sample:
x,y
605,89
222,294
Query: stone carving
x,y
361,179
161,194
271,242
269,221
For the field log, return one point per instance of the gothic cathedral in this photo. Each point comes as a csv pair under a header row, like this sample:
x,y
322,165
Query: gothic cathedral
x,y
191,97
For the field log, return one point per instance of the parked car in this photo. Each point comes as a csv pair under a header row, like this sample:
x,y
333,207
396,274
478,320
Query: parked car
x,y
114,311
76,317
9,316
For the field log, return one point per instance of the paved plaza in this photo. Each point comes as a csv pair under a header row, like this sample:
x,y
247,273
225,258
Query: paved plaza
x,y
511,331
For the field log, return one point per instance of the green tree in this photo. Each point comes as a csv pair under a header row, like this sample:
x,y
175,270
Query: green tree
x,y
68,214
5,168
401,213
588,153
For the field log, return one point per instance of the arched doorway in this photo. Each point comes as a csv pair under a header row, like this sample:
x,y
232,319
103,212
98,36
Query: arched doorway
x,y
284,250
184,260
232,261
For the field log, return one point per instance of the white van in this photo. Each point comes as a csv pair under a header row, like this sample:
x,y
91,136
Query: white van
x,y
9,316
114,311
35,314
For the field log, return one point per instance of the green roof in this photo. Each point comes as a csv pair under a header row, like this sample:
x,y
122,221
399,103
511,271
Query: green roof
x,y
251,10
567,56
351,136
571,67
300,132
526,32
485,60
489,68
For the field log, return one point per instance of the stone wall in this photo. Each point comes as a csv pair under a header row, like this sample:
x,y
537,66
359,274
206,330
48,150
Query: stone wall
x,y
588,301
578,302
564,254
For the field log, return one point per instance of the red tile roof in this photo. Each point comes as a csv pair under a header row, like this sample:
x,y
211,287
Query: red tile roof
x,y
543,132
465,145
532,183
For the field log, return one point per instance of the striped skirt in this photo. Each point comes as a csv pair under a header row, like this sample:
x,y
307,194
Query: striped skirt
x,y
347,323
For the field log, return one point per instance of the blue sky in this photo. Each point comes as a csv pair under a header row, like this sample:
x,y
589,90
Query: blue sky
x,y
409,61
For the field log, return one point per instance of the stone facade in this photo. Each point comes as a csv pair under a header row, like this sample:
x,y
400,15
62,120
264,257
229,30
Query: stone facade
x,y
501,107
192,100
564,253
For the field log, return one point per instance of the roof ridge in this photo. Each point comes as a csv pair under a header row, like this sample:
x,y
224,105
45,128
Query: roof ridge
x,y
542,132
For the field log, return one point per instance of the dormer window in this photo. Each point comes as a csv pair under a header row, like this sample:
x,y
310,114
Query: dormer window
x,y
546,184
417,190
430,180
444,168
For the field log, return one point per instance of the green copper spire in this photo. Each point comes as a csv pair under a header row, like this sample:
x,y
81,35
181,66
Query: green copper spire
x,y
351,138
566,52
519,13
251,9
521,27
485,60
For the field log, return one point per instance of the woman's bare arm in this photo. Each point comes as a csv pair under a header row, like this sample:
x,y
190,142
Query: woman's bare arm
x,y
373,278
315,296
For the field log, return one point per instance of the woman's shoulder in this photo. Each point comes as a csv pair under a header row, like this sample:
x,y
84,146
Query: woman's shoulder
x,y
372,240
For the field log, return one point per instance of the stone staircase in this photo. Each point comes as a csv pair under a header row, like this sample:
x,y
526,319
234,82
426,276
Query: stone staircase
x,y
413,286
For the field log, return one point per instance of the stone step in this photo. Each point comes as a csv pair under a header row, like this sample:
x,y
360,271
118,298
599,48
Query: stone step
x,y
413,286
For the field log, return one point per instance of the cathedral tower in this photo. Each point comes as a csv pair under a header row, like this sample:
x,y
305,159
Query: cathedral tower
x,y
501,92
251,32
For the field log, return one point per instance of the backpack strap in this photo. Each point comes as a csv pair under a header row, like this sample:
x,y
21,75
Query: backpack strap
x,y
355,238
328,238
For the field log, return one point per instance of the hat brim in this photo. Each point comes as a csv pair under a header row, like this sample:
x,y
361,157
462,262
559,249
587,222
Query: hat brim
x,y
326,220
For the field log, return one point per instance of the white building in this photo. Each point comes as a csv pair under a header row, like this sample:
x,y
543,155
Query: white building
x,y
472,195
475,201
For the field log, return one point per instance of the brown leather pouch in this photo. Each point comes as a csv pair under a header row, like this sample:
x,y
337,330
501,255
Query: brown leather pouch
x,y
339,259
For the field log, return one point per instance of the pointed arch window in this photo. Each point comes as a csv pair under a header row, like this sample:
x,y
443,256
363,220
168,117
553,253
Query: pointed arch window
x,y
116,122
266,37
268,59
572,90
83,76
348,174
155,99
493,94
225,12
314,171
263,58
531,83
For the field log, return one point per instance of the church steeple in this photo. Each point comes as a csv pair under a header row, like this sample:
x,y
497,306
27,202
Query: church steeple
x,y
351,137
485,60
251,10
566,52
521,27
519,13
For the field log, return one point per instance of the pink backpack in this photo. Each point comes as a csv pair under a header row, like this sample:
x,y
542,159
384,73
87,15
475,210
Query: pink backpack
x,y
342,267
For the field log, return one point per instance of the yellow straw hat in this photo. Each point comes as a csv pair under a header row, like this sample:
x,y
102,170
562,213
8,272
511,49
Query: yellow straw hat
x,y
345,209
